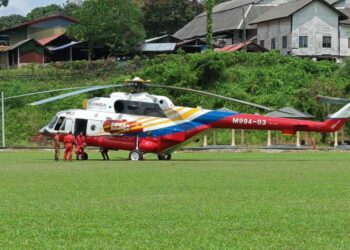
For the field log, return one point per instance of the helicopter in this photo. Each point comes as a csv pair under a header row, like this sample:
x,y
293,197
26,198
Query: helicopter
x,y
142,123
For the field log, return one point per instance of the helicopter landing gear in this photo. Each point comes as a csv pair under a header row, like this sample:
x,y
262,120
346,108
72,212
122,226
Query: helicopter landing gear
x,y
136,155
166,157
82,157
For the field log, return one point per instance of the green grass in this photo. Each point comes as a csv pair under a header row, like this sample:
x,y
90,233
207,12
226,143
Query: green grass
x,y
199,200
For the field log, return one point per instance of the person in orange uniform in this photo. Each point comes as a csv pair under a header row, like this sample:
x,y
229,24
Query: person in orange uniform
x,y
68,146
56,144
80,142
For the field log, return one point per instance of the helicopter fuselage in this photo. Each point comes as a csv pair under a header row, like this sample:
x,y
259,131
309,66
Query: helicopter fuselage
x,y
152,124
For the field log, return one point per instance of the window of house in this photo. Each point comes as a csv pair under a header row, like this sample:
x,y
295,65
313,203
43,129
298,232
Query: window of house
x,y
284,42
303,42
349,42
326,42
262,43
273,43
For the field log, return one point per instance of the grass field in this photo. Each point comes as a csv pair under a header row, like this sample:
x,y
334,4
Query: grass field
x,y
198,200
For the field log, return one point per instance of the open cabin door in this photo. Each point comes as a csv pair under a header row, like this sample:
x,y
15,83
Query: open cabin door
x,y
80,126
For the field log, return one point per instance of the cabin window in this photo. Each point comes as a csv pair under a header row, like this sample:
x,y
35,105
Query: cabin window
x,y
59,122
303,43
273,43
326,41
284,42
138,108
67,126
262,43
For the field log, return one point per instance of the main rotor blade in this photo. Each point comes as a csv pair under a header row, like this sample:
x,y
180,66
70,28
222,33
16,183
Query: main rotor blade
x,y
332,100
78,92
42,92
213,95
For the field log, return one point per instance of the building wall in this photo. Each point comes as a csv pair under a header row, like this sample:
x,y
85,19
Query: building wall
x,y
275,29
48,28
344,40
31,53
16,35
315,21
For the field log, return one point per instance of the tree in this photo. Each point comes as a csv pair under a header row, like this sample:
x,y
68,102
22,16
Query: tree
x,y
44,11
209,4
71,8
10,21
117,24
168,16
4,2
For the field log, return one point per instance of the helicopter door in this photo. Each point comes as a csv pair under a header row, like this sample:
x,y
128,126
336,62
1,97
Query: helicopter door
x,y
67,126
80,126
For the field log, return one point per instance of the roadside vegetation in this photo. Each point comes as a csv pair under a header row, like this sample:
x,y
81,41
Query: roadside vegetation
x,y
264,78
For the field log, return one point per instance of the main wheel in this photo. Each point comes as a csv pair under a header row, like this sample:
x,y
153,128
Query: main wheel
x,y
136,155
166,157
85,156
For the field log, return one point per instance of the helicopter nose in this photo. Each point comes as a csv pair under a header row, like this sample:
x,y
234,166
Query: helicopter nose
x,y
44,132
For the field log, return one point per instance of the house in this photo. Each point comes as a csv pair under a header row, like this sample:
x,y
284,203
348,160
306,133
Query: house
x,y
231,21
238,20
21,53
162,44
49,34
249,46
308,28
39,29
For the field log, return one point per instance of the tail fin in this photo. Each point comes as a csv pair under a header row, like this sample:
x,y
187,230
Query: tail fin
x,y
344,112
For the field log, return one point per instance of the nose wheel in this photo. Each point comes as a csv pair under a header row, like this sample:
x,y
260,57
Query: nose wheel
x,y
136,155
166,157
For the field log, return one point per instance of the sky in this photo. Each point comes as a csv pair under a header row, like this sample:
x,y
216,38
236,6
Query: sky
x,y
22,7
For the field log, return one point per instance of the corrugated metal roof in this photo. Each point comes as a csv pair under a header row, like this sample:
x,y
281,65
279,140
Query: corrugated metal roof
x,y
161,37
346,12
15,46
289,112
65,46
42,19
288,9
230,19
158,47
49,39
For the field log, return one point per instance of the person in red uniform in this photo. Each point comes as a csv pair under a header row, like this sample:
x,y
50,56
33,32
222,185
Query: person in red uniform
x,y
81,143
68,146
56,144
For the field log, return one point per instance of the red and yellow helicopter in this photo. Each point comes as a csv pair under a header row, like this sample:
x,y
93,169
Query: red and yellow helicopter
x,y
143,123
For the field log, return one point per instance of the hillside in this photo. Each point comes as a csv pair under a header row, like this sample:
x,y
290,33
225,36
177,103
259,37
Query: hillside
x,y
268,79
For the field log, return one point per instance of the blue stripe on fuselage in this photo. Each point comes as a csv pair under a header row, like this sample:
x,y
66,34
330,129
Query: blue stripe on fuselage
x,y
208,118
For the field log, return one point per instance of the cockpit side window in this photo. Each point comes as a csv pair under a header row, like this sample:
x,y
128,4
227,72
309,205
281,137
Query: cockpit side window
x,y
59,123
53,122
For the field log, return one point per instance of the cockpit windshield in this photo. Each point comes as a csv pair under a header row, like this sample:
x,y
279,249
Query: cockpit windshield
x,y
138,108
53,122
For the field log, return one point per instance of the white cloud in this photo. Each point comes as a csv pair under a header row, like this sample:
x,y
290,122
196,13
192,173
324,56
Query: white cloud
x,y
21,7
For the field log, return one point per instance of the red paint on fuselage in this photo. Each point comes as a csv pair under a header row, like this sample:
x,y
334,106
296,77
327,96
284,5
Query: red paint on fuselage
x,y
160,144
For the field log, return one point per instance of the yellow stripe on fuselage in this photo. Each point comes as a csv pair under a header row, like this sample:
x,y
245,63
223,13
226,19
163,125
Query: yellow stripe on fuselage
x,y
168,113
177,118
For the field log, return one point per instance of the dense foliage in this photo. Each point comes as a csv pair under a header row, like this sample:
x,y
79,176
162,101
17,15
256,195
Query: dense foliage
x,y
117,24
168,16
268,79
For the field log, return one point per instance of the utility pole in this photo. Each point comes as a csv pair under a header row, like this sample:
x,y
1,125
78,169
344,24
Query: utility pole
x,y
3,119
244,35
